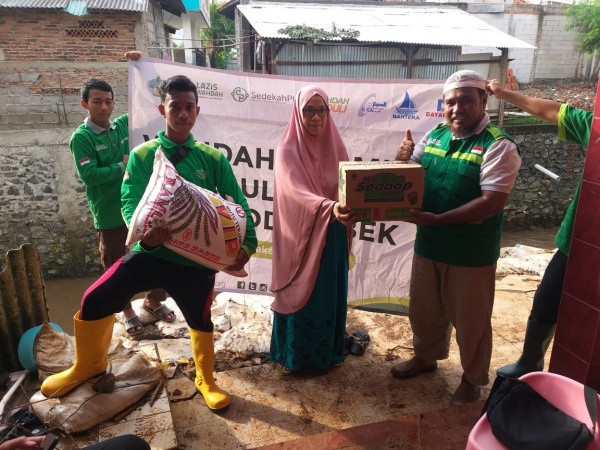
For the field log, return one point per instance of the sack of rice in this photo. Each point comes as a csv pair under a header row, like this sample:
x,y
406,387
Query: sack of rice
x,y
205,227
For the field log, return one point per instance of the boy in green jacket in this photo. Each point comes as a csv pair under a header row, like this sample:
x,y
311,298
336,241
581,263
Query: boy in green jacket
x,y
100,148
150,264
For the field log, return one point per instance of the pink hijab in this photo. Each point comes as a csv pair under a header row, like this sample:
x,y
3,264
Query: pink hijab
x,y
306,189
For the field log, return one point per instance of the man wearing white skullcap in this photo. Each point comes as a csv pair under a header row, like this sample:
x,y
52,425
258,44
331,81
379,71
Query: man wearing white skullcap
x,y
470,167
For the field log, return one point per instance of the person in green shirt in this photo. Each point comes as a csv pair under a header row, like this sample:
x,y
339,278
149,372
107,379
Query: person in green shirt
x,y
100,148
150,264
470,167
574,125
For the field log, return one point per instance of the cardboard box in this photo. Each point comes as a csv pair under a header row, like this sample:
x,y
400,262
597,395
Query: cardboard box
x,y
381,190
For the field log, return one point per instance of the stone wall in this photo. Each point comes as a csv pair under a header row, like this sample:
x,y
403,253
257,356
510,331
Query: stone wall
x,y
43,201
536,199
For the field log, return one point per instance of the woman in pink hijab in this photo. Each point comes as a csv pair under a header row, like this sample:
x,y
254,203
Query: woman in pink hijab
x,y
311,236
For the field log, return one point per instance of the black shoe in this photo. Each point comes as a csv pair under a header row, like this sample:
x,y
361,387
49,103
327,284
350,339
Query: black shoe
x,y
359,341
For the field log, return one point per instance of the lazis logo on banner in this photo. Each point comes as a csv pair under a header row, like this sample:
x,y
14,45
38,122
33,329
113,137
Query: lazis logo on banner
x,y
209,90
246,124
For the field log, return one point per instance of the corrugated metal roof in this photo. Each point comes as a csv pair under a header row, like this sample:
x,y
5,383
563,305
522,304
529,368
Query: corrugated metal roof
x,y
58,4
119,5
430,25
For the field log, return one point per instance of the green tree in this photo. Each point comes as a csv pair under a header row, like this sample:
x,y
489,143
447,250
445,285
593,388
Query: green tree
x,y
219,38
583,17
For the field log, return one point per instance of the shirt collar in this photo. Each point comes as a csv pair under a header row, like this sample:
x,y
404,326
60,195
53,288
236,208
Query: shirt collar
x,y
166,143
97,128
478,129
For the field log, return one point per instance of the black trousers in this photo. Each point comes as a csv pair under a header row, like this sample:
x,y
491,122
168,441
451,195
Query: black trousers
x,y
190,287
546,300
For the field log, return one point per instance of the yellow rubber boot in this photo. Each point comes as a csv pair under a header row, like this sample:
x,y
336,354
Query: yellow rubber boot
x,y
204,357
92,339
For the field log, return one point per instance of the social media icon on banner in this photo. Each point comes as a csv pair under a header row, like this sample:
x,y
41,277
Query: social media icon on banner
x,y
241,285
263,287
252,286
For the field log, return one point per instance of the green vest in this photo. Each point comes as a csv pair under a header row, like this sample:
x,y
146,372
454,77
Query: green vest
x,y
452,169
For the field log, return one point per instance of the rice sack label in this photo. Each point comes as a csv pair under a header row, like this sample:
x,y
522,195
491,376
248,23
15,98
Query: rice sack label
x,y
206,228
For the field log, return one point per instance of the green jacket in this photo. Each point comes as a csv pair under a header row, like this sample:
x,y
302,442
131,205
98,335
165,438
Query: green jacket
x,y
204,166
452,169
574,125
99,161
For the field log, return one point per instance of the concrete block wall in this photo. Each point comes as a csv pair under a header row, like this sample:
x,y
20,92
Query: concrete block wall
x,y
47,94
524,26
556,56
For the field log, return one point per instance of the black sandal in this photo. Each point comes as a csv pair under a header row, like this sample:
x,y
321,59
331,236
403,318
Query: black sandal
x,y
359,341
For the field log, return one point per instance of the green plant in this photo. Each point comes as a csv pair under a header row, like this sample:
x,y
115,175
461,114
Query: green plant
x,y
583,17
318,34
218,38
510,119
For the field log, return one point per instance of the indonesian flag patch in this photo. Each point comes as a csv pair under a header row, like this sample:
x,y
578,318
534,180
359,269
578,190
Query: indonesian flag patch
x,y
84,161
477,150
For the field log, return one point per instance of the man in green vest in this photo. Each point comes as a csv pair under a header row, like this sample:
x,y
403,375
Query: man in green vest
x,y
574,125
100,148
470,167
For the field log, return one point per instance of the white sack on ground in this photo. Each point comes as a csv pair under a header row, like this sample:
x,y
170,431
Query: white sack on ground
x,y
206,228
83,408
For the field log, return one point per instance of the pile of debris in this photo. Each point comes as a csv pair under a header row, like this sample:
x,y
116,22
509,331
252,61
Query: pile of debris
x,y
578,93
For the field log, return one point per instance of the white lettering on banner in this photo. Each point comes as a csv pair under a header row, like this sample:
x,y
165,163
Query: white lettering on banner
x,y
245,125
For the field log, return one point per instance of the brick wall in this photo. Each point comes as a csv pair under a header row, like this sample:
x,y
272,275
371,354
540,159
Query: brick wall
x,y
46,55
51,35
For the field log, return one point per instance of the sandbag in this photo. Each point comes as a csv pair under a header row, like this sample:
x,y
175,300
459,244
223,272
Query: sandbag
x,y
206,228
83,407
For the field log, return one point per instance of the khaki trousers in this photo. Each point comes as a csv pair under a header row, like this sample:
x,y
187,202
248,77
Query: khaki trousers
x,y
442,296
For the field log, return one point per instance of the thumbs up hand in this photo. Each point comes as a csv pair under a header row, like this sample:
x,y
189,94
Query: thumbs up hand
x,y
406,147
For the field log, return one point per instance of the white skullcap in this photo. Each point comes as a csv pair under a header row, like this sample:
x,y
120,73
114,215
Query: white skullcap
x,y
464,78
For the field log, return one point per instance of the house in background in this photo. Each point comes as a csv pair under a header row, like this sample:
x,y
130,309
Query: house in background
x,y
366,40
408,34
49,47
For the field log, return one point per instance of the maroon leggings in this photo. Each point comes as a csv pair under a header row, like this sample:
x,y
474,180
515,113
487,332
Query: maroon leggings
x,y
190,287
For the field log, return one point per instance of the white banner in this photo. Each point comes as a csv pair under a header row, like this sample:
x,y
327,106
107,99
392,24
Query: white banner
x,y
244,115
